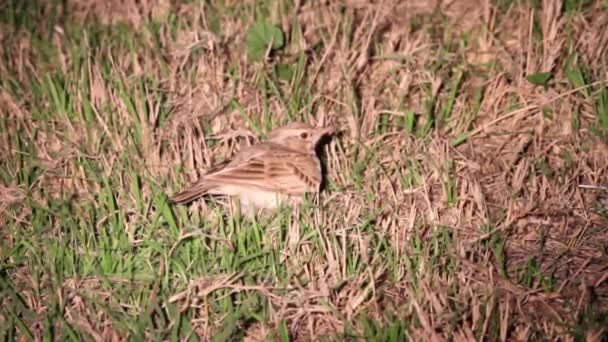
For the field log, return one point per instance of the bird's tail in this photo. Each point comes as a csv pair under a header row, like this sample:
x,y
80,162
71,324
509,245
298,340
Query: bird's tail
x,y
191,193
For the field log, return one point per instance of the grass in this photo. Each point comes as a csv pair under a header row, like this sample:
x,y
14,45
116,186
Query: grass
x,y
465,199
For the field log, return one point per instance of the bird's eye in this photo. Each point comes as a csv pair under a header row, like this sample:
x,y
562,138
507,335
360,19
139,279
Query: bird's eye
x,y
304,135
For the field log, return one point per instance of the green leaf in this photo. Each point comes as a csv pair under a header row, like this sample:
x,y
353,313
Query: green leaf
x,y
539,78
409,119
283,331
284,72
260,36
461,138
602,107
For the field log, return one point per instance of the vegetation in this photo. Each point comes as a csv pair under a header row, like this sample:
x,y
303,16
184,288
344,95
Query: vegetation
x,y
466,198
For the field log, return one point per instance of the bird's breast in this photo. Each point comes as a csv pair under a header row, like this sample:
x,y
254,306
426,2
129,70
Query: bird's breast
x,y
259,199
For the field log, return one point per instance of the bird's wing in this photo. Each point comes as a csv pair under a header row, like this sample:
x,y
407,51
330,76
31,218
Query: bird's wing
x,y
278,171
199,188
266,167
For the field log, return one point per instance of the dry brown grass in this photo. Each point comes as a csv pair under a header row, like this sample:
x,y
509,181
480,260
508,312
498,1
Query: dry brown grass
x,y
518,251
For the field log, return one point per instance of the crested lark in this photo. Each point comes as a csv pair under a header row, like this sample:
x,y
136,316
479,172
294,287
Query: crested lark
x,y
264,175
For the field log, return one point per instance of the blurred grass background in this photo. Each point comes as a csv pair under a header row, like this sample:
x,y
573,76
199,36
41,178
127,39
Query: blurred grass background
x,y
466,200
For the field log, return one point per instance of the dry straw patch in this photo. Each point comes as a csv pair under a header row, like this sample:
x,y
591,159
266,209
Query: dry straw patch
x,y
502,236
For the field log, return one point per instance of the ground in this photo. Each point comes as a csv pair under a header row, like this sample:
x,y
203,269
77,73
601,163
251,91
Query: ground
x,y
466,197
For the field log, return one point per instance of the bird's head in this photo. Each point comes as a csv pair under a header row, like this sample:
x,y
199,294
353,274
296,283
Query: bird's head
x,y
300,136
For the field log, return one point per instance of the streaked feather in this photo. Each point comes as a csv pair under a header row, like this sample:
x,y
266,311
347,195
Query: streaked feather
x,y
289,169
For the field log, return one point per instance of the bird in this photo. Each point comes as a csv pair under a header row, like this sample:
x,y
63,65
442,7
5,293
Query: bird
x,y
265,175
